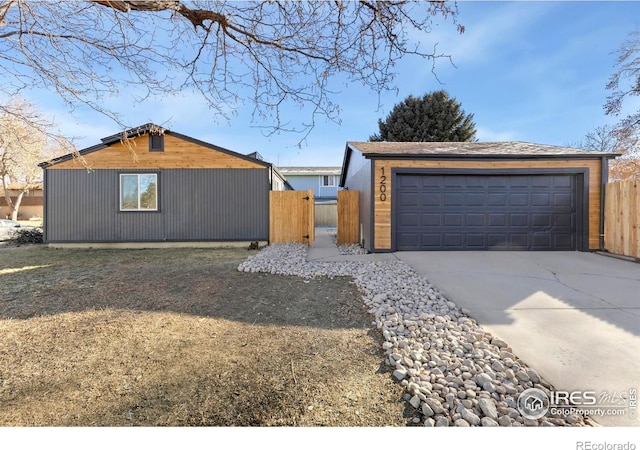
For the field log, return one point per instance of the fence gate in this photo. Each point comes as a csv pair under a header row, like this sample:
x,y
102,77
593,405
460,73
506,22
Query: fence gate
x,y
291,217
348,217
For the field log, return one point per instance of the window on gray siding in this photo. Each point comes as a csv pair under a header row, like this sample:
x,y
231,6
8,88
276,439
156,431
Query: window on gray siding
x,y
329,180
139,192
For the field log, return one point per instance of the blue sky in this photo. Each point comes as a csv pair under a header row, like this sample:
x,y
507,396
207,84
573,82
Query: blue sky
x,y
528,71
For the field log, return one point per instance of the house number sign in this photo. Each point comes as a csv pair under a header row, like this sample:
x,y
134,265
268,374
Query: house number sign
x,y
383,186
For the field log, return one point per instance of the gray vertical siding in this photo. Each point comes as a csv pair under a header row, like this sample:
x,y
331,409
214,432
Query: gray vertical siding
x,y
358,178
306,182
195,204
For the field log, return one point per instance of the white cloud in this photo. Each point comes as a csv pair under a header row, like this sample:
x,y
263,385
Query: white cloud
x,y
485,32
487,135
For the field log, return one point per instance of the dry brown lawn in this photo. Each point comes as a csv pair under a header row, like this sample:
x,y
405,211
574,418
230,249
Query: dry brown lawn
x,y
180,337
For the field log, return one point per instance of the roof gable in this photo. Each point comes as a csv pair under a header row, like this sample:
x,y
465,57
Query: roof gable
x,y
130,150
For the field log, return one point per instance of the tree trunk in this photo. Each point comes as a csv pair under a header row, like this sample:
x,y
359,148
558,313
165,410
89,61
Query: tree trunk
x,y
7,196
15,207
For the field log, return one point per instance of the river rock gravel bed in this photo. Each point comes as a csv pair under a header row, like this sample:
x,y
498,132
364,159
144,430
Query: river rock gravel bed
x,y
346,249
454,372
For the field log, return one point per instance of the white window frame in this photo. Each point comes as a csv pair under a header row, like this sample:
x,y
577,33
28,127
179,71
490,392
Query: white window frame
x,y
330,178
138,209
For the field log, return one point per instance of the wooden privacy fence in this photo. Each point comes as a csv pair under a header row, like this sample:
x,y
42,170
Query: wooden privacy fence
x,y
291,217
348,217
622,218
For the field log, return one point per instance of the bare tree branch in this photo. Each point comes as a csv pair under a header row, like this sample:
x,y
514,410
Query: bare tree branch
x,y
625,81
281,52
26,139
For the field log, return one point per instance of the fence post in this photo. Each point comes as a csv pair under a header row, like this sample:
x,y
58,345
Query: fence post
x,y
311,214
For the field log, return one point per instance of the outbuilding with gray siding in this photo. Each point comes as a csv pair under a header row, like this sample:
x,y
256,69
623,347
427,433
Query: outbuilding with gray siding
x,y
477,196
151,184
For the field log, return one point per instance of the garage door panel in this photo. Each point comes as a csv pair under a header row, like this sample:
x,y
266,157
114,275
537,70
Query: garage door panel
x,y
454,199
565,200
542,181
541,220
519,241
562,240
493,182
431,199
453,220
409,199
564,220
500,199
476,181
409,240
497,220
497,240
453,240
541,199
519,182
501,212
475,219
563,182
432,220
518,220
432,240
521,199
476,240
475,199
409,220
414,182
541,241
455,182
428,182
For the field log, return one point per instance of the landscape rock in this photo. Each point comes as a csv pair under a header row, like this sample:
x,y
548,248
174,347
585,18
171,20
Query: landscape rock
x,y
426,410
488,422
461,423
442,422
429,422
453,370
488,408
470,417
400,373
435,406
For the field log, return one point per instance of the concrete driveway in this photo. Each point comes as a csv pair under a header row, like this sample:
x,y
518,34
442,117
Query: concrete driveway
x,y
575,317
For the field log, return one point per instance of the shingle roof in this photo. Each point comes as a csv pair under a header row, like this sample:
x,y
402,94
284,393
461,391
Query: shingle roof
x,y
310,170
471,149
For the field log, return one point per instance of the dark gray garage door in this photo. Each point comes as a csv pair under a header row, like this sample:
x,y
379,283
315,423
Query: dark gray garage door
x,y
485,212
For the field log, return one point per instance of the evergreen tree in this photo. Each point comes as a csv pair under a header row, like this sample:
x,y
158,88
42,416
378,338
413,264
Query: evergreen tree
x,y
435,117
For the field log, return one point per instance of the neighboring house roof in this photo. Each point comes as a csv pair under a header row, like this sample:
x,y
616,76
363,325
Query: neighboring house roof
x,y
19,186
255,155
288,171
279,174
26,201
468,149
144,129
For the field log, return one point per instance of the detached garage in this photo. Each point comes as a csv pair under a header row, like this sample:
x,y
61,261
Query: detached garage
x,y
476,196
